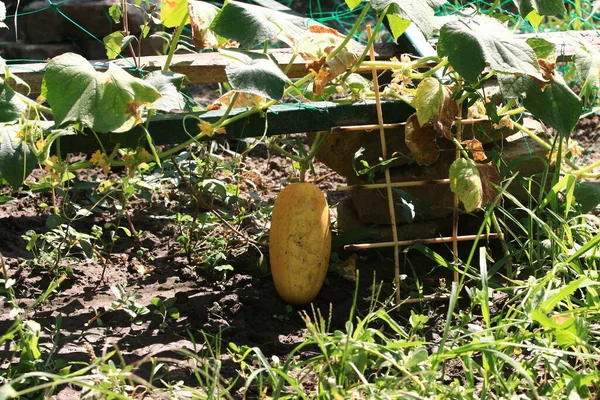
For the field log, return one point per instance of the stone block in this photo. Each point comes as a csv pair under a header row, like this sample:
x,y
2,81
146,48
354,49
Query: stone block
x,y
436,201
48,25
339,149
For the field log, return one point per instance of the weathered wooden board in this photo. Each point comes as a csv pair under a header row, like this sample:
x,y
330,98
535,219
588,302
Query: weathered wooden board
x,y
199,68
280,119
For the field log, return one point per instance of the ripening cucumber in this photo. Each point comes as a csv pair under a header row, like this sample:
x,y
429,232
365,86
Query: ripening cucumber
x,y
300,242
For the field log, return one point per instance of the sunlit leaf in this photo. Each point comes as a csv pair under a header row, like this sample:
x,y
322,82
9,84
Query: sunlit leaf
x,y
115,43
172,12
535,19
252,25
352,4
466,183
110,101
481,41
428,99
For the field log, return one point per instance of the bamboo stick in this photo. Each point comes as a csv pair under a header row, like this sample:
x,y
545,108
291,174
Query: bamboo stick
x,y
368,127
392,184
388,179
404,243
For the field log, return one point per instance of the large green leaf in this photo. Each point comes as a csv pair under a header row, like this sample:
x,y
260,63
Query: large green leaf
x,y
11,106
556,105
252,25
421,12
168,84
110,101
17,159
587,195
542,7
255,73
471,44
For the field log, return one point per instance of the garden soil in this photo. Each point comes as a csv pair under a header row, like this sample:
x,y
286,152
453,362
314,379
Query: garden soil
x,y
79,322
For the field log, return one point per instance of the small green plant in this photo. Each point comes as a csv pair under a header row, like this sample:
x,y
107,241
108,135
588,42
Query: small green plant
x,y
166,310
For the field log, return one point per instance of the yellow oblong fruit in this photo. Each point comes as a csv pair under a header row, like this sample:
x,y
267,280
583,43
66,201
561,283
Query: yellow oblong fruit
x,y
300,242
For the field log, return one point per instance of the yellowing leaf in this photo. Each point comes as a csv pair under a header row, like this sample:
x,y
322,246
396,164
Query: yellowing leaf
x,y
428,99
202,15
421,140
466,183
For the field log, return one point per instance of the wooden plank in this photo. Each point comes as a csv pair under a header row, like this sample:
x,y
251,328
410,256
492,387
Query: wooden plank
x,y
280,119
200,68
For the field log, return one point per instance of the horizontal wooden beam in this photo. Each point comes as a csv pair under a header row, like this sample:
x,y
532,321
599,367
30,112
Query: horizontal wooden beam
x,y
200,68
279,119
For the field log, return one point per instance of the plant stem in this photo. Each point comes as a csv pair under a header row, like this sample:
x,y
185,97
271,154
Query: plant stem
x,y
174,41
367,47
350,34
126,31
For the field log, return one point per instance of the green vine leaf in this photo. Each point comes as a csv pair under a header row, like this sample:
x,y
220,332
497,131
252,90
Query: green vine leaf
x,y
421,12
172,12
252,25
110,101
255,73
115,43
542,7
556,105
481,41
17,159
167,83
428,99
11,107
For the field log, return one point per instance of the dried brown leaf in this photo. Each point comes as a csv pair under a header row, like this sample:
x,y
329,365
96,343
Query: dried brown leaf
x,y
332,69
476,148
201,15
445,120
489,177
421,141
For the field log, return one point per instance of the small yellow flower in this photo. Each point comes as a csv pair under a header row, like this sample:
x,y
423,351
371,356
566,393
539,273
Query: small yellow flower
x,y
21,134
53,160
39,145
206,128
97,157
